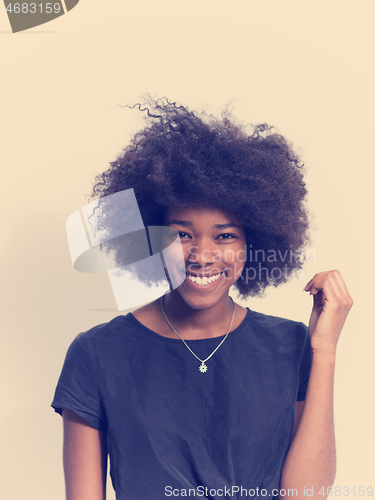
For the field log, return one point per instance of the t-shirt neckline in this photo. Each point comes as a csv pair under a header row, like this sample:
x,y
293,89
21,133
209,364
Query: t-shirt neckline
x,y
167,339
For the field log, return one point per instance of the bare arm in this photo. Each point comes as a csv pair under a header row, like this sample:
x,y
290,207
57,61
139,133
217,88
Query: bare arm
x,y
311,459
84,458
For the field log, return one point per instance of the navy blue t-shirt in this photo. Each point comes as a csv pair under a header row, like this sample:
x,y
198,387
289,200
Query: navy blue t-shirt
x,y
172,429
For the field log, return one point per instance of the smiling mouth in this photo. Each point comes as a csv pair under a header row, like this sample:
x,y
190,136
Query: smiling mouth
x,y
205,280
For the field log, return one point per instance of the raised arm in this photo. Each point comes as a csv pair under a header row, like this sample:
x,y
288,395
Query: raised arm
x,y
85,459
311,461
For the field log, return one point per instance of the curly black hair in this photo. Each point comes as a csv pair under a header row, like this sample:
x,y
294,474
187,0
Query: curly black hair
x,y
256,177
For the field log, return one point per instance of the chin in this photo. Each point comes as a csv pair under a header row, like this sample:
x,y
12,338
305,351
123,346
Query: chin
x,y
200,301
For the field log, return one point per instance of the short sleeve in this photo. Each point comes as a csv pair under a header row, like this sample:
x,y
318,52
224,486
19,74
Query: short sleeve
x,y
77,389
305,363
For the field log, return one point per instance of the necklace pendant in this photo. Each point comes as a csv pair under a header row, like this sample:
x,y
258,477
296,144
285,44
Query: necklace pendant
x,y
203,368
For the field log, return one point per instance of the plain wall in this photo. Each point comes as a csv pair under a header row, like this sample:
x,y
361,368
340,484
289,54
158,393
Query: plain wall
x,y
303,67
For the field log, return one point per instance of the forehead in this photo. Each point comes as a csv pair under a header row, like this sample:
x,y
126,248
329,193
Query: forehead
x,y
199,215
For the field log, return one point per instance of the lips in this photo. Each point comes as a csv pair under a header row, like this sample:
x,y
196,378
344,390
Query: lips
x,y
204,275
203,279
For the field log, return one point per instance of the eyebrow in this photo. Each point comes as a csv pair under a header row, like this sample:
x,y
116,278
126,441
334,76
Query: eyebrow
x,y
188,223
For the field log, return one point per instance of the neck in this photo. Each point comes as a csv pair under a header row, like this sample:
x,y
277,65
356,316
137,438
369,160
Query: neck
x,y
198,323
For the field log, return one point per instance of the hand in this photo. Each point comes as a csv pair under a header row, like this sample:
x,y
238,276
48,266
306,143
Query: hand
x,y
332,304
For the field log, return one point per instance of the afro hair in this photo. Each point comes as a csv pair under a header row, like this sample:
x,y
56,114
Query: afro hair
x,y
257,177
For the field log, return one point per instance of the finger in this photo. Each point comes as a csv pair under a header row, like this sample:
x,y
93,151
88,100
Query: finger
x,y
336,273
333,295
335,276
321,284
335,279
316,276
319,299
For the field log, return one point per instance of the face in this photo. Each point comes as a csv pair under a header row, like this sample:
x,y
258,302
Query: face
x,y
213,245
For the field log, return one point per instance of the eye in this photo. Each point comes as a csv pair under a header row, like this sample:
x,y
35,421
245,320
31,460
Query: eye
x,y
227,236
181,234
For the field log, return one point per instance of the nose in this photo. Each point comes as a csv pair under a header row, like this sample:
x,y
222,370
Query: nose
x,y
201,254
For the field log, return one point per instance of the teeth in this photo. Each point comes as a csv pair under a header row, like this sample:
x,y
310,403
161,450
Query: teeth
x,y
203,281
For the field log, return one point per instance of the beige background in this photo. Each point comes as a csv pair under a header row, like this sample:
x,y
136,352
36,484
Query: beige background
x,y
303,66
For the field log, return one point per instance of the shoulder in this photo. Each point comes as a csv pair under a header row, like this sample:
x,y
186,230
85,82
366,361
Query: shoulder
x,y
277,328
269,321
104,332
102,343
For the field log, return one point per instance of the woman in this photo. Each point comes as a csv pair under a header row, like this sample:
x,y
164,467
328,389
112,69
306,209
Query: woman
x,y
193,394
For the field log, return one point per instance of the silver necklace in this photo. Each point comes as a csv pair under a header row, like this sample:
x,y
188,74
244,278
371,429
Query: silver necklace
x,y
203,367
